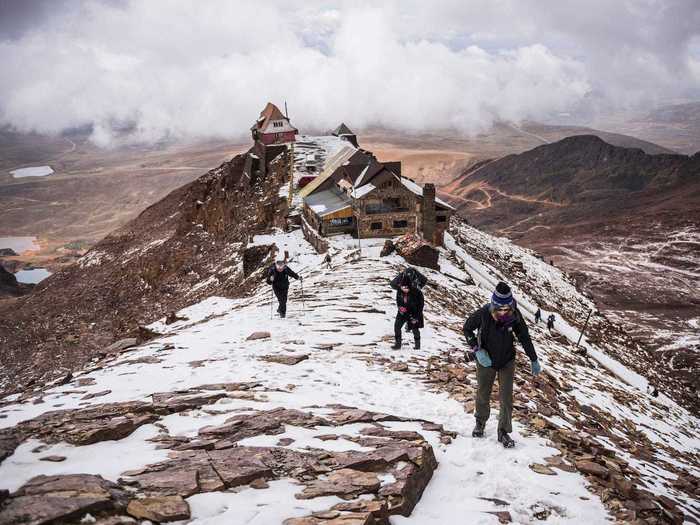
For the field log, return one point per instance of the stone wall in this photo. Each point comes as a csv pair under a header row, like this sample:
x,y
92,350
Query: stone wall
x,y
408,203
318,242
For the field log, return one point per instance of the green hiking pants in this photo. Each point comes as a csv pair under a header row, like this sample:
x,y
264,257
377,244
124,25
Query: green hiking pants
x,y
484,380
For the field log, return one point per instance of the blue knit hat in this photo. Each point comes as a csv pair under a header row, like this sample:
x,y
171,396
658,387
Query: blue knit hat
x,y
502,296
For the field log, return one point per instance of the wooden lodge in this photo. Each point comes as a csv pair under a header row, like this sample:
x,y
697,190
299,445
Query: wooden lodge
x,y
359,195
273,127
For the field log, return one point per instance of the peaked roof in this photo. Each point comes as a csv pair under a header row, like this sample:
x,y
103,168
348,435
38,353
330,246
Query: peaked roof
x,y
342,130
271,112
418,190
332,164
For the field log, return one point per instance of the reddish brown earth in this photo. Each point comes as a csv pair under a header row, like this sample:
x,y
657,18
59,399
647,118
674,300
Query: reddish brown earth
x,y
137,274
624,222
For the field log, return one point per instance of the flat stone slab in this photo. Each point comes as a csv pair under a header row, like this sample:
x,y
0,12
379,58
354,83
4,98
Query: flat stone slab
x,y
48,499
344,482
121,345
159,509
285,359
258,335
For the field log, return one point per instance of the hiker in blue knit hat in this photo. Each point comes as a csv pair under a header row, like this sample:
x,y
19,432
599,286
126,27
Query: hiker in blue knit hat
x,y
497,324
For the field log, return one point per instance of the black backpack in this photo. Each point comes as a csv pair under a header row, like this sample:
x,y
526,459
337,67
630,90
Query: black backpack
x,y
418,280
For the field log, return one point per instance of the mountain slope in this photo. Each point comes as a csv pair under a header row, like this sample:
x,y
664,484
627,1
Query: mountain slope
x,y
186,246
207,394
624,222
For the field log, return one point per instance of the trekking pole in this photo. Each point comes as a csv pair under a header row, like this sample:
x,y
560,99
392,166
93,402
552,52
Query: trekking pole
x,y
270,302
584,328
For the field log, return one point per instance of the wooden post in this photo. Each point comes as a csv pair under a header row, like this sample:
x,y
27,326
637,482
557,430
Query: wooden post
x,y
584,328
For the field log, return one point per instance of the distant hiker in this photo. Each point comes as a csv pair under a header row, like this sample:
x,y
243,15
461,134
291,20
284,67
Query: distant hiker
x,y
538,315
652,391
493,347
550,322
417,279
327,260
278,276
409,300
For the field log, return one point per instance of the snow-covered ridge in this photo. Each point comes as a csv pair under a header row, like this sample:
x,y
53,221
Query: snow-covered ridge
x,y
342,323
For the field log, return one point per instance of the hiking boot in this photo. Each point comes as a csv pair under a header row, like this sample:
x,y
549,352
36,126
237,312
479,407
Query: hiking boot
x,y
416,344
505,439
396,345
478,431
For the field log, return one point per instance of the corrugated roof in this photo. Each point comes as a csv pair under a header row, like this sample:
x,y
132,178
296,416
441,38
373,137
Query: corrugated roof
x,y
332,164
360,192
327,201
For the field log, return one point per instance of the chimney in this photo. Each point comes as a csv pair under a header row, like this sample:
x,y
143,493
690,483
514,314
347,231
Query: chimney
x,y
429,212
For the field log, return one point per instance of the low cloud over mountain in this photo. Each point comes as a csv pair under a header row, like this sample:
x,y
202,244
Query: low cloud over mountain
x,y
201,69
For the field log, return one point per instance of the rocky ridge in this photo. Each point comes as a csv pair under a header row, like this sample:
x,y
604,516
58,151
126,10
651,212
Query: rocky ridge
x,y
237,414
179,250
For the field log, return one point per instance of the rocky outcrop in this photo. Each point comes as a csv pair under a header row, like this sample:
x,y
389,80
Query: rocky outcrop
x,y
215,461
9,287
59,499
185,247
417,251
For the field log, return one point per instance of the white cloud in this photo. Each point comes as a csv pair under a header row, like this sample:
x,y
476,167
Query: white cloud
x,y
193,69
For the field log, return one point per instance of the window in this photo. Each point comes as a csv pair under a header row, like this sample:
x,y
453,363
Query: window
x,y
392,203
388,205
400,224
375,226
441,218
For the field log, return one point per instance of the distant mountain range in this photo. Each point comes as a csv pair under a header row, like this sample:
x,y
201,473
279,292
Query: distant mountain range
x,y
626,222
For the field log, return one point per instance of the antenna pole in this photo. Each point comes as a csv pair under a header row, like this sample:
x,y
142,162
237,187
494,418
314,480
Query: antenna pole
x,y
286,113
357,221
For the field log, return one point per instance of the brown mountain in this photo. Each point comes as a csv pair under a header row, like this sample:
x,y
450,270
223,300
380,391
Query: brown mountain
x,y
185,247
625,222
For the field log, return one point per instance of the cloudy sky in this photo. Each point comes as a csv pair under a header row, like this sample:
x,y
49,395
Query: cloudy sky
x,y
205,68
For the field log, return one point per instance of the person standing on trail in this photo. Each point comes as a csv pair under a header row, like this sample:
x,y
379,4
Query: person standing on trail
x,y
278,276
550,322
409,300
497,323
538,315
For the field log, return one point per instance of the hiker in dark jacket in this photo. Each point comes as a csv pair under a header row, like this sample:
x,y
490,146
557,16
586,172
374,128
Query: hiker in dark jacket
x,y
550,322
417,279
409,301
538,315
497,324
278,276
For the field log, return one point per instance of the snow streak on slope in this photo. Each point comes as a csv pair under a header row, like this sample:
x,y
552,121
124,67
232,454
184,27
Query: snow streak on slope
x,y
343,323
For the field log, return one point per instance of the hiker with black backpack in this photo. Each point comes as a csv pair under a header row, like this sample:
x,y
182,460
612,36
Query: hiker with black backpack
x,y
417,279
278,276
497,324
410,302
550,322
